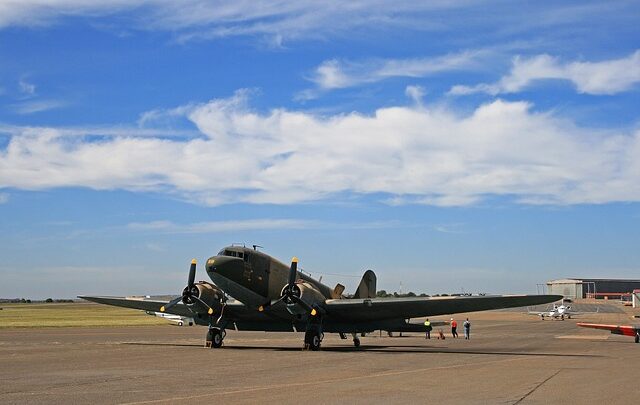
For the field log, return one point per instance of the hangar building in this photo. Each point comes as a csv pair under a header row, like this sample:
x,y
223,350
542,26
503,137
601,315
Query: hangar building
x,y
592,287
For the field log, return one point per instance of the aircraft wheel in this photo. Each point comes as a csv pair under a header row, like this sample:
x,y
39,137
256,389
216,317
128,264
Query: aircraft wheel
x,y
356,342
312,340
214,338
638,337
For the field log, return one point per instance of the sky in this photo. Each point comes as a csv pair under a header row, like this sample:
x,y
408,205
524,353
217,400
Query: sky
x,y
451,146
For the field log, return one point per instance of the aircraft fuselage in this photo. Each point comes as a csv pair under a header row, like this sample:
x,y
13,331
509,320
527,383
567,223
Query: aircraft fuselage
x,y
253,277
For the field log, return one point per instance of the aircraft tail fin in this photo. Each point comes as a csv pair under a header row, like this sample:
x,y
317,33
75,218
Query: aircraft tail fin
x,y
367,287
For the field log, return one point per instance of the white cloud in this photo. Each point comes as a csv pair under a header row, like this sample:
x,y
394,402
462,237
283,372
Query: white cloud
x,y
605,77
416,93
35,106
26,88
411,154
222,226
334,74
216,19
253,225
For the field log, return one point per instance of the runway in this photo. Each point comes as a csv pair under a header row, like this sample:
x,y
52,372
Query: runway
x,y
511,358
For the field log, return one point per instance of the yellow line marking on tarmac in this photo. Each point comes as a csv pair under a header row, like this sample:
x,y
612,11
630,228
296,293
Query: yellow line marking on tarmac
x,y
317,382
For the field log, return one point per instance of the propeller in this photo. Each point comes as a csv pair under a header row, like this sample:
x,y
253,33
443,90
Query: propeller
x,y
291,292
190,294
288,290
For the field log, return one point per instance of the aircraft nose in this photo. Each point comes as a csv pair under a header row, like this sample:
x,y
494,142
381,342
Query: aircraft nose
x,y
225,266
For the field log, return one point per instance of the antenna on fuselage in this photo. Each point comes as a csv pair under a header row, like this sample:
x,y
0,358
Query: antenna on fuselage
x,y
255,247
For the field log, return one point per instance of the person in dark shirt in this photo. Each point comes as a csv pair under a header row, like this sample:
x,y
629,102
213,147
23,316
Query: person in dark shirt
x,y
467,329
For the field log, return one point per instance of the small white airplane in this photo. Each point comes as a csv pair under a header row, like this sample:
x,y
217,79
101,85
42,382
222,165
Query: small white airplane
x,y
559,312
176,319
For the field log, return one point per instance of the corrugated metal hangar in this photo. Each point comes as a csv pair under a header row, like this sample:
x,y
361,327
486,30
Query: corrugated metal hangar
x,y
592,287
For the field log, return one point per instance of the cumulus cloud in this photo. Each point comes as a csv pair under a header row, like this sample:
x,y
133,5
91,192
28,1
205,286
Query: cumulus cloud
x,y
605,77
416,154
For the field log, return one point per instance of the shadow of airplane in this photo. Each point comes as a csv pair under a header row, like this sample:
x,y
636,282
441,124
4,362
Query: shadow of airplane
x,y
376,349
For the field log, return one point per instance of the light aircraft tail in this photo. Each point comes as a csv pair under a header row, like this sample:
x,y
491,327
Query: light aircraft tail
x,y
367,287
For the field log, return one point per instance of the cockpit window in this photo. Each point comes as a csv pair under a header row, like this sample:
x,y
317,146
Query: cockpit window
x,y
231,253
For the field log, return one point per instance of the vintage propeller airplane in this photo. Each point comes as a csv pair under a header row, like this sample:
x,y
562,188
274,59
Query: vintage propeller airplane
x,y
271,296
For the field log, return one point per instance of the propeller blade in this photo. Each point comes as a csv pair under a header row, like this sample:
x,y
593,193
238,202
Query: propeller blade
x,y
293,271
192,273
300,302
170,304
204,304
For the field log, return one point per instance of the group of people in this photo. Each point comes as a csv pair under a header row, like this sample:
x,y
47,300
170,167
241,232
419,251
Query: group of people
x,y
454,329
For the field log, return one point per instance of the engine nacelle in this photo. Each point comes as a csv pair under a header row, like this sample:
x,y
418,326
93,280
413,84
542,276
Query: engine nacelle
x,y
208,293
307,293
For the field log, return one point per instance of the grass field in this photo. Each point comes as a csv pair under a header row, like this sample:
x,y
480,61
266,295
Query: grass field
x,y
72,314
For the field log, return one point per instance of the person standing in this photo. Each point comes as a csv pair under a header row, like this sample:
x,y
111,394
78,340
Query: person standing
x,y
427,328
467,329
454,328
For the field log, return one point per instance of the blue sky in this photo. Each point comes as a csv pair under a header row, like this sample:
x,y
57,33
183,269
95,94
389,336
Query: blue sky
x,y
483,146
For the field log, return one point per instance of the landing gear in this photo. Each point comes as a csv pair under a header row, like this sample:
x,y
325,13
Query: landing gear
x,y
637,337
313,335
215,337
312,340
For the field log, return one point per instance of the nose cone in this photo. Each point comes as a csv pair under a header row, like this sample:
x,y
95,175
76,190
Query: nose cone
x,y
231,268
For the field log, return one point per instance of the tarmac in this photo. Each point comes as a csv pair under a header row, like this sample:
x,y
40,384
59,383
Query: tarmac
x,y
511,358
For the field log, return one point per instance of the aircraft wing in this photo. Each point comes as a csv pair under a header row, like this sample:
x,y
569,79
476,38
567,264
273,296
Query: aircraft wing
x,y
615,329
378,309
145,305
240,316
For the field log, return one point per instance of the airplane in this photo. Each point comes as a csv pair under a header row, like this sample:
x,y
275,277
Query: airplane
x,y
177,319
625,330
559,311
271,296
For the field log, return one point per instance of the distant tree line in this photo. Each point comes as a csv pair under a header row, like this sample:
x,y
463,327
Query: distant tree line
x,y
28,301
384,294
